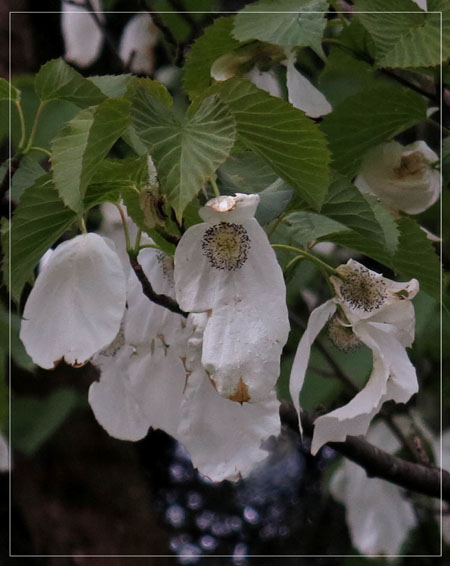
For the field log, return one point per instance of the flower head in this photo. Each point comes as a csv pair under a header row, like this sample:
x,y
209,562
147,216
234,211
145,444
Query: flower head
x,y
226,265
401,176
370,309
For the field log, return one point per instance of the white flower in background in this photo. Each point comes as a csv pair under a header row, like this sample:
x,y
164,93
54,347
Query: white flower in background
x,y
379,515
76,305
153,377
4,454
265,80
139,37
378,312
83,39
422,4
226,265
302,94
401,176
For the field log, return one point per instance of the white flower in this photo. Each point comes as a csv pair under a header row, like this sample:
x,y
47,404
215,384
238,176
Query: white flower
x,y
376,311
83,39
76,305
265,80
302,94
226,265
401,176
136,44
378,514
155,379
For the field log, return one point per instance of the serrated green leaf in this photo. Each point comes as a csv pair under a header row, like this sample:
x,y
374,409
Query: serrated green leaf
x,y
246,172
83,144
38,221
6,93
282,135
305,227
273,201
408,39
445,162
358,41
143,84
186,152
283,28
34,420
367,119
56,80
415,256
29,170
215,42
367,217
112,86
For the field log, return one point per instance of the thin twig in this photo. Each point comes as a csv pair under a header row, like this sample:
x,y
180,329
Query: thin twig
x,y
380,464
160,299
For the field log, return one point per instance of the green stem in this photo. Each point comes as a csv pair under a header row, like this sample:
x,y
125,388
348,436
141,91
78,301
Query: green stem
x,y
83,225
125,227
35,125
215,187
339,13
137,241
41,149
293,262
22,124
276,224
307,255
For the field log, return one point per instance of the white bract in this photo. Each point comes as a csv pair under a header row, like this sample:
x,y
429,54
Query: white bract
x,y
378,312
226,265
302,93
154,378
378,513
76,305
83,39
401,176
136,44
4,454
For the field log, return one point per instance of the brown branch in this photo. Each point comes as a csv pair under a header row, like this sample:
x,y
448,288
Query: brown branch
x,y
377,463
160,299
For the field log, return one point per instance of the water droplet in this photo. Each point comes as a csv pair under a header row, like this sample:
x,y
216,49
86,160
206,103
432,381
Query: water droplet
x,y
251,515
189,554
204,520
175,515
208,543
194,500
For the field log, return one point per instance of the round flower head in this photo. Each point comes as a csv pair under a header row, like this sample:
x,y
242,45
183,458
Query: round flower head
x,y
370,309
401,176
226,265
76,305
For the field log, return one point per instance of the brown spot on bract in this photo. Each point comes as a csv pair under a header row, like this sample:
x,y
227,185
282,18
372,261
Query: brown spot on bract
x,y
240,394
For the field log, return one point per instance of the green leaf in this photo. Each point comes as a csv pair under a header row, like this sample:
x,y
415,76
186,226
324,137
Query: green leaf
x,y
215,42
186,151
283,28
158,90
246,172
415,256
29,170
273,201
83,144
367,217
56,80
35,420
18,353
409,39
367,119
112,86
6,94
304,227
344,75
283,136
38,221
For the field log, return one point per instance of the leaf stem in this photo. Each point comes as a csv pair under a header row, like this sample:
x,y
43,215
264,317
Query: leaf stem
x,y
83,225
215,187
137,242
125,227
34,128
307,255
41,149
22,124
339,14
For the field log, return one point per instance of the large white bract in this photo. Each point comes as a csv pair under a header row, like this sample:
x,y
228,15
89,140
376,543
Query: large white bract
x,y
83,38
155,378
76,305
136,44
226,265
401,176
378,312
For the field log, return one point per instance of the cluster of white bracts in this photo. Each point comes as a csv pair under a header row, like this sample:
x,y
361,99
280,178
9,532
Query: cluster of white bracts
x,y
159,369
83,38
